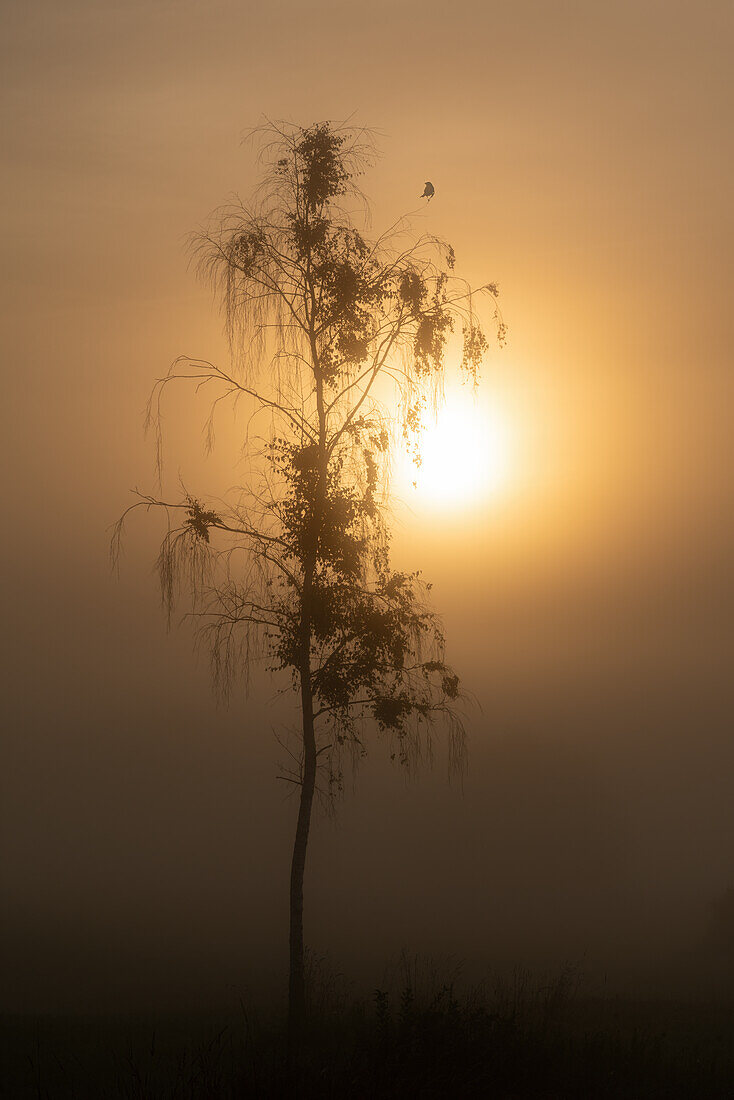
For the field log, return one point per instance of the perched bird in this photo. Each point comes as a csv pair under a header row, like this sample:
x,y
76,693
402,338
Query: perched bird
x,y
428,191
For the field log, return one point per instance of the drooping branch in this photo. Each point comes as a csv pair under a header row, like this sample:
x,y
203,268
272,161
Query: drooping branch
x,y
339,338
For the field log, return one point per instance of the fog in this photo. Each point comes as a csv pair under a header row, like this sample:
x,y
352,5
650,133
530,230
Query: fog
x,y
581,158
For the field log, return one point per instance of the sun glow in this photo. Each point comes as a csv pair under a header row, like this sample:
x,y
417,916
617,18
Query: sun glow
x,y
464,454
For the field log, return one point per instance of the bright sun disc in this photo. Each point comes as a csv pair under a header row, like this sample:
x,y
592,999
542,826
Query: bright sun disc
x,y
464,452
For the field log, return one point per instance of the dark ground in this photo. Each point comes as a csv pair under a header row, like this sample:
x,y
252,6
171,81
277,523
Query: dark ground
x,y
509,1038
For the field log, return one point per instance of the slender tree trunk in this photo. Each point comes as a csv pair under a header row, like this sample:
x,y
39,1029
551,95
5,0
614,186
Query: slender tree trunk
x,y
297,979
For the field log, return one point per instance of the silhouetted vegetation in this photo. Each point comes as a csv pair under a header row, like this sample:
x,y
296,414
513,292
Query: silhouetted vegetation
x,y
421,1037
338,341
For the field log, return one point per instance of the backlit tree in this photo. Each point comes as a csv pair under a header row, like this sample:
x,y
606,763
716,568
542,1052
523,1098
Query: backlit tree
x,y
338,342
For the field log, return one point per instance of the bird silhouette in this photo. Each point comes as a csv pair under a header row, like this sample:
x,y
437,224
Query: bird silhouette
x,y
428,191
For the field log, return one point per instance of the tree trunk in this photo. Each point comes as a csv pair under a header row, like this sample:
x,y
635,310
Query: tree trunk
x,y
297,979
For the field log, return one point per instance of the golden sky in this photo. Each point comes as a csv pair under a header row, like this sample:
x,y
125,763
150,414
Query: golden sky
x,y
582,159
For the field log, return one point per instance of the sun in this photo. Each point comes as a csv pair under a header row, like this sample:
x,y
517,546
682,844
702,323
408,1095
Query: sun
x,y
464,451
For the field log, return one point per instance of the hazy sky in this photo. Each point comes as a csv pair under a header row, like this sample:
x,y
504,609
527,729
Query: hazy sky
x,y
582,158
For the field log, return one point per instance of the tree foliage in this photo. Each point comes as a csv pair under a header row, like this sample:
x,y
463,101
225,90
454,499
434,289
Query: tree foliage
x,y
341,339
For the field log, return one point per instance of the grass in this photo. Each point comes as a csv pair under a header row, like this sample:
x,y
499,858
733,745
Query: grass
x,y
421,1035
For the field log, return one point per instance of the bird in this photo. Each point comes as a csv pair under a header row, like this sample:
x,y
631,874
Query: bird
x,y
428,191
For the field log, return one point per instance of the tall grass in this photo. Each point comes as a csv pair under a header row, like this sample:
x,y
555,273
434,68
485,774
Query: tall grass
x,y
424,1032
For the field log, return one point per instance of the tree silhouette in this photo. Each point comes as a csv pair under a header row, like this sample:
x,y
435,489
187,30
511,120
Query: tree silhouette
x,y
340,341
